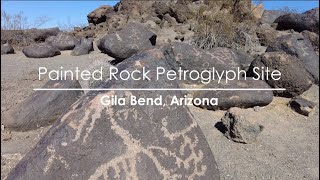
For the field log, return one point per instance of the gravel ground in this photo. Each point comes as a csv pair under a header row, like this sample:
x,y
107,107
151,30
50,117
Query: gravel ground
x,y
288,147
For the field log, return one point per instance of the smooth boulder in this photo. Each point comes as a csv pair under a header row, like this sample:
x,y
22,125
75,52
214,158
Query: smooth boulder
x,y
297,45
132,39
63,41
6,49
94,141
42,108
308,20
230,98
41,50
84,47
294,77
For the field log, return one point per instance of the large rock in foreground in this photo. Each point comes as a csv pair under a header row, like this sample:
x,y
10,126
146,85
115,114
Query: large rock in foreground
x,y
294,77
130,40
308,20
63,41
7,49
242,99
42,108
95,141
297,45
42,50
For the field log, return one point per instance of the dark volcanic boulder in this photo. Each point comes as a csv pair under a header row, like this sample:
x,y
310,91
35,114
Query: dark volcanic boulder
x,y
269,16
130,40
63,41
300,22
7,49
190,58
294,77
42,108
85,47
297,45
42,50
94,141
100,14
242,99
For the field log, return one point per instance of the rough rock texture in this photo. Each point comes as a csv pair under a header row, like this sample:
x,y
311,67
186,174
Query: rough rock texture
x,y
313,38
308,20
130,40
257,11
97,65
7,49
266,35
295,44
42,108
302,106
100,14
63,41
240,126
93,141
294,77
242,99
190,58
41,50
84,47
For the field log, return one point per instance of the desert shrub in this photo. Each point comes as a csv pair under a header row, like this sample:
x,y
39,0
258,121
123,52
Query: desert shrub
x,y
222,29
20,22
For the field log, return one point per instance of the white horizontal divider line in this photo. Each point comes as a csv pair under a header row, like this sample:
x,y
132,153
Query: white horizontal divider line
x,y
159,89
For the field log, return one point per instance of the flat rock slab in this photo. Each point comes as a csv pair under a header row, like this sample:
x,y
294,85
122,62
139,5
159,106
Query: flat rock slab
x,y
42,50
297,45
240,126
242,99
302,106
93,141
294,77
42,108
132,39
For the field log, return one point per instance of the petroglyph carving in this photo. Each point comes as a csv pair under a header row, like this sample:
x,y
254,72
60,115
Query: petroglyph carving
x,y
127,162
53,156
303,47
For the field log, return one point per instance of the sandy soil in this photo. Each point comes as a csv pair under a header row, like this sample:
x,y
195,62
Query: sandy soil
x,y
288,147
